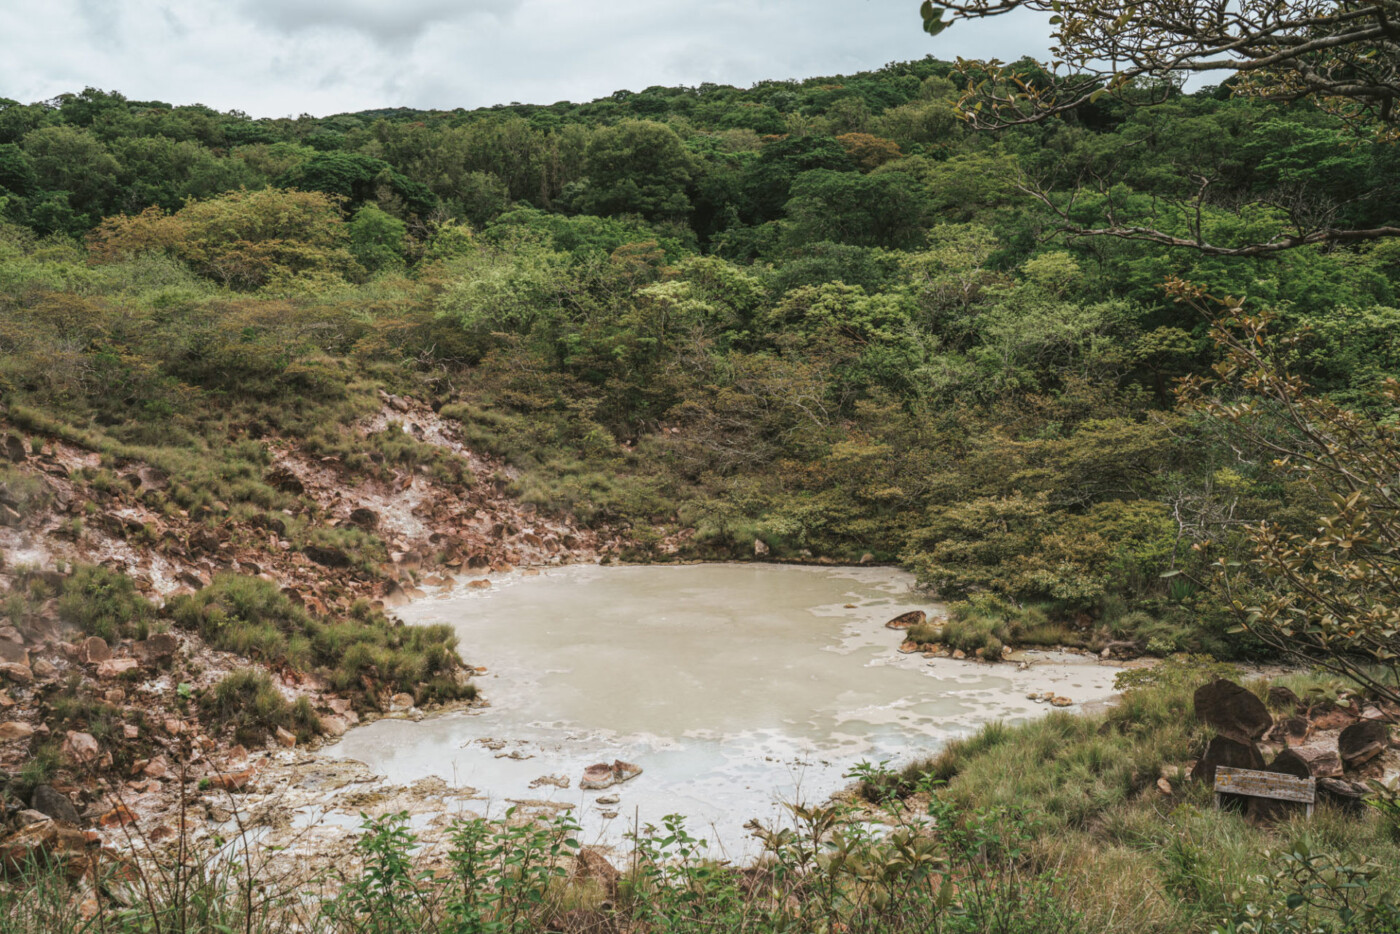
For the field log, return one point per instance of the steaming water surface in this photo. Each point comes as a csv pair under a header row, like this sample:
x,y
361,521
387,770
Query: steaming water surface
x,y
735,687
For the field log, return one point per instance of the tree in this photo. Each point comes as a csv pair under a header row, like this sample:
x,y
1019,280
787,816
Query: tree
x,y
636,167
1332,597
244,239
1342,57
885,210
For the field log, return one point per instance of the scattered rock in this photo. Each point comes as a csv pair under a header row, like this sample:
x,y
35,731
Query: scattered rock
x,y
1233,711
283,479
13,652
482,584
867,558
333,724
596,777
80,747
907,620
52,803
608,799
1362,741
1282,697
1164,786
43,669
19,674
401,702
365,518
1342,793
30,816
94,650
157,648
115,667
760,548
1315,761
286,737
46,841
234,781
13,447
326,557
558,781
119,816
1327,717
1061,702
592,865
959,654
14,730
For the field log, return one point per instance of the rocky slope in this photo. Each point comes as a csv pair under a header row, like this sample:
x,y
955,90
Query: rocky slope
x,y
149,759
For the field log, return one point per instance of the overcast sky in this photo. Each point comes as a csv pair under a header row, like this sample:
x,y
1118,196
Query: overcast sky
x,y
286,57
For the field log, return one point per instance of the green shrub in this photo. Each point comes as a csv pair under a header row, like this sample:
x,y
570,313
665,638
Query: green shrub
x,y
247,702
105,603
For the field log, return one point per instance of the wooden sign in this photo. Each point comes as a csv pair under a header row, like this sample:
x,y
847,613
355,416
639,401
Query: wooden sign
x,y
1265,785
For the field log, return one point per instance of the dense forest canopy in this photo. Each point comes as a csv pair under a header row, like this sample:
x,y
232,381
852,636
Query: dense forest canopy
x,y
824,314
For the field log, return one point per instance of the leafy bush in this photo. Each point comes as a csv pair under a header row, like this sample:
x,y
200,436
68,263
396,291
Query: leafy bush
x,y
247,702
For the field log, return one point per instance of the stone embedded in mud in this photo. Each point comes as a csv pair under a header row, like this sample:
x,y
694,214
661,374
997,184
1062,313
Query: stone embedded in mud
x,y
625,771
401,702
482,584
117,817
907,620
1061,702
597,777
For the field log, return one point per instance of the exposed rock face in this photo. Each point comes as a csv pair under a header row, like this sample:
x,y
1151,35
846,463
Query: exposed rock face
x,y
53,804
907,620
1233,711
1362,741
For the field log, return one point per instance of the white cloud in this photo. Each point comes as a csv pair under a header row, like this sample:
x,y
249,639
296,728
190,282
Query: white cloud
x,y
285,57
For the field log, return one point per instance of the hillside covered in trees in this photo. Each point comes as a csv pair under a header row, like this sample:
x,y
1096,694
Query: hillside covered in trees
x,y
817,320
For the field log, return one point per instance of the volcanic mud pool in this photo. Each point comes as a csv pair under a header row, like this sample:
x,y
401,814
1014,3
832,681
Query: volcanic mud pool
x,y
735,687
